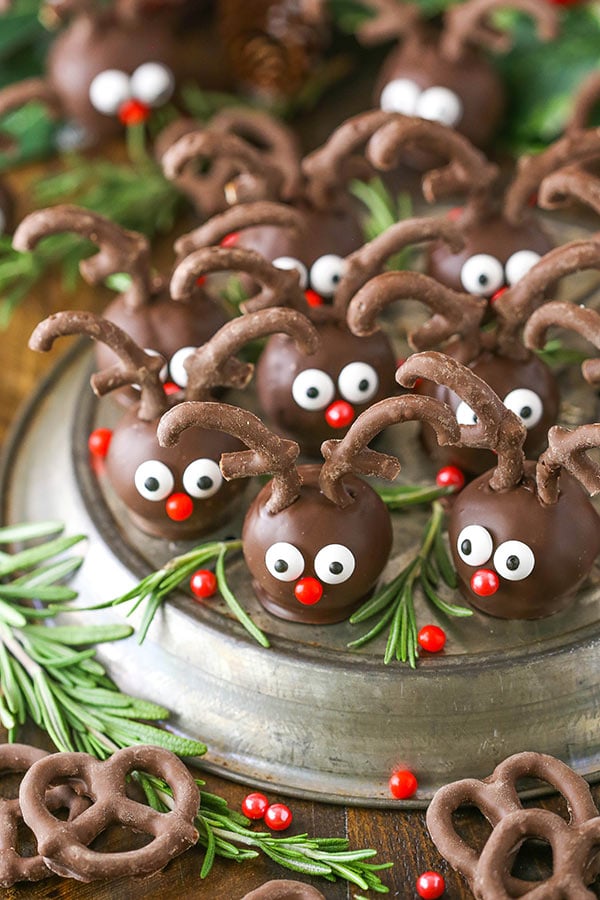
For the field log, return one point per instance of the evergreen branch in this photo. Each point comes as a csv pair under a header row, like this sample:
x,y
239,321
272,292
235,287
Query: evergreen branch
x,y
394,603
383,211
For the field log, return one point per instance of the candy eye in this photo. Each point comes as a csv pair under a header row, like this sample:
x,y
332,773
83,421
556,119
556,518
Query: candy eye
x,y
465,415
313,389
177,368
358,382
519,264
152,83
202,478
526,404
439,104
400,95
326,273
289,262
482,274
284,561
474,545
514,560
109,90
153,480
334,564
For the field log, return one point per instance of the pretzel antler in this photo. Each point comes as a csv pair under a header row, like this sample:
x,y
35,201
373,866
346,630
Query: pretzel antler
x,y
279,287
329,168
237,218
269,454
570,183
135,366
389,20
467,171
351,454
469,23
516,305
497,428
215,363
568,450
573,148
369,260
455,314
585,322
584,101
119,250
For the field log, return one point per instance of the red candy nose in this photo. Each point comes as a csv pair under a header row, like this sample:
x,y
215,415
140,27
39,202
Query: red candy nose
x,y
308,591
134,112
230,240
498,294
179,507
312,298
484,582
339,414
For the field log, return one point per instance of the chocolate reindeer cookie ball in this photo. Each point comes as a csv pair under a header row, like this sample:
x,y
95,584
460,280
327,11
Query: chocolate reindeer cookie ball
x,y
313,554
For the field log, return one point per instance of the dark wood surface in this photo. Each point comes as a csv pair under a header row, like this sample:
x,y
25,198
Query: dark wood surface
x,y
399,837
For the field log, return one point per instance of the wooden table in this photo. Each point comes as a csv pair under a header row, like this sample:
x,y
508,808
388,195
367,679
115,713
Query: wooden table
x,y
397,836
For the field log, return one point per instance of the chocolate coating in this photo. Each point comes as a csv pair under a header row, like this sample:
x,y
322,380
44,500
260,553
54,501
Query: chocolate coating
x,y
471,78
311,523
164,325
281,362
90,46
564,538
494,237
337,232
283,889
134,441
503,376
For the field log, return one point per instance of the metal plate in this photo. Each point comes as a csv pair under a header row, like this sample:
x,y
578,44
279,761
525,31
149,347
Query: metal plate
x,y
308,716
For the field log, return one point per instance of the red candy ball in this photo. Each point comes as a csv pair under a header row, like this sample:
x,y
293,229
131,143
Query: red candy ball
x,y
179,507
134,112
278,817
484,582
254,806
450,476
99,441
339,414
231,239
308,591
430,885
203,583
403,784
431,638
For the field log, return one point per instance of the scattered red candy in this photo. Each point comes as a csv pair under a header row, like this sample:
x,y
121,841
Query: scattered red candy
x,y
308,591
278,817
179,507
403,784
254,806
203,583
99,441
339,414
430,885
431,638
134,112
450,476
484,582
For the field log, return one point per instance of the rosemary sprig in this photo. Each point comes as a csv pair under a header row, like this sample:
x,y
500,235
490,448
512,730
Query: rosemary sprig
x,y
403,496
383,212
222,830
50,673
556,354
394,603
156,587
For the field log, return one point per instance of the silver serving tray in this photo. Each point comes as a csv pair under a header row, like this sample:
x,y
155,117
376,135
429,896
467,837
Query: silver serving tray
x,y
308,717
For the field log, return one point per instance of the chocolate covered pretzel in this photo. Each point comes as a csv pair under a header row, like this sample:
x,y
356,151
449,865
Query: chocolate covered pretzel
x,y
283,889
65,846
496,798
18,758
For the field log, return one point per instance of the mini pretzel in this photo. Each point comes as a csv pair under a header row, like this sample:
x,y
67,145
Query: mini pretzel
x,y
496,797
65,845
574,850
19,758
